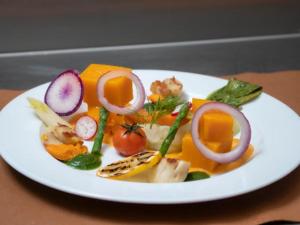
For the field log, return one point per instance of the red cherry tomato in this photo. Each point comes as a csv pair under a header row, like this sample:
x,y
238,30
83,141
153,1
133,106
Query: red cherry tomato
x,y
129,139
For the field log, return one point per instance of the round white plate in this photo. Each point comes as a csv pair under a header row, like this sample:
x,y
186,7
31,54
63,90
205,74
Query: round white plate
x,y
275,127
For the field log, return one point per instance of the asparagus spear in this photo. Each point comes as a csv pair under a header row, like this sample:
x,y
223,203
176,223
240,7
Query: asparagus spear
x,y
100,133
173,129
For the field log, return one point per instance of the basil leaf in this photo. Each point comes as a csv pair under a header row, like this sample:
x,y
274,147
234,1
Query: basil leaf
x,y
197,175
85,161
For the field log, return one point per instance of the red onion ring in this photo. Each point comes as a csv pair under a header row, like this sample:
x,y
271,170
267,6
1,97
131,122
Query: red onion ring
x,y
245,137
140,98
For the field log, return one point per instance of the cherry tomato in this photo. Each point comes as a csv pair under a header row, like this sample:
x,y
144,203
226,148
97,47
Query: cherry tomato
x,y
129,139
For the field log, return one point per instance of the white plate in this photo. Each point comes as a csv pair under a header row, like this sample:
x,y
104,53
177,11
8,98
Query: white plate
x,y
275,126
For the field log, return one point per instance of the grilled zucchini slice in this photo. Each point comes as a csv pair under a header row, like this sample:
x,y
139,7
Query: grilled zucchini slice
x,y
130,166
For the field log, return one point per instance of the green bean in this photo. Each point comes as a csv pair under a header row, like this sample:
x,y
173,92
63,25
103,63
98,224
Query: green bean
x,y
103,114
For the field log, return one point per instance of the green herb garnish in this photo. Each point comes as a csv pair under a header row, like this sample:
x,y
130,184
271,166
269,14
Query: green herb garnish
x,y
162,107
197,175
236,93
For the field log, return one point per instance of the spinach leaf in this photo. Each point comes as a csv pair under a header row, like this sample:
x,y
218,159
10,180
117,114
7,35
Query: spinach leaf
x,y
85,161
236,93
197,175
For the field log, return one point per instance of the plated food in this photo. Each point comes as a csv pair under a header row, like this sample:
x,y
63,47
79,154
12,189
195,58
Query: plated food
x,y
164,136
274,129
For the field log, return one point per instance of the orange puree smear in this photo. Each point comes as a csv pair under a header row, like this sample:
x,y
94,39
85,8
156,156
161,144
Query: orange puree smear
x,y
200,163
222,168
65,151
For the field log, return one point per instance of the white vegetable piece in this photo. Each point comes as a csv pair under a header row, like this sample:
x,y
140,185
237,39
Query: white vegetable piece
x,y
55,125
169,170
157,133
47,115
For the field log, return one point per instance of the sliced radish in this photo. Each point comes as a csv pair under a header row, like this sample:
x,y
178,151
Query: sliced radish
x,y
64,94
86,127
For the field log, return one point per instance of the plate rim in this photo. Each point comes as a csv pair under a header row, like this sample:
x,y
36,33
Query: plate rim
x,y
42,181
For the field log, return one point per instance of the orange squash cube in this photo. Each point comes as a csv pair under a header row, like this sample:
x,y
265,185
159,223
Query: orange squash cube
x,y
191,154
197,102
118,91
216,126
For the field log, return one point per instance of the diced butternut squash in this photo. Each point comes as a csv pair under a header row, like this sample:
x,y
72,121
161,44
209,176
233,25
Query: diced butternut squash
x,y
197,102
200,163
191,154
221,168
216,126
118,91
169,119
93,112
154,97
112,121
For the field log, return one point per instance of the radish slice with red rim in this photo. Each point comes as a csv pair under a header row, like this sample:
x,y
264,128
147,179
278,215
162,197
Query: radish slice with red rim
x,y
176,111
86,127
65,93
245,137
140,95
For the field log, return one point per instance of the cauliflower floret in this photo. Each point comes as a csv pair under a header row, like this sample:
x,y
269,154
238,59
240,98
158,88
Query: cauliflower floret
x,y
157,133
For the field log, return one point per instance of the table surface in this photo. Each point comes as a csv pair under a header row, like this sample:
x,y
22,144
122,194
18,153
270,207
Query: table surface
x,y
207,37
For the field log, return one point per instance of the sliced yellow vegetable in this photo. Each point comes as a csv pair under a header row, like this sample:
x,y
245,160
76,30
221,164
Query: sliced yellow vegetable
x,y
130,166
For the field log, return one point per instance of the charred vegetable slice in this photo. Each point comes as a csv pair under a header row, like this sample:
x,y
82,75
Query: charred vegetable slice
x,y
236,93
130,166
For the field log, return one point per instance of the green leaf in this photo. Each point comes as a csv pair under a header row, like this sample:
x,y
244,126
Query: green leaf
x,y
85,161
236,93
192,176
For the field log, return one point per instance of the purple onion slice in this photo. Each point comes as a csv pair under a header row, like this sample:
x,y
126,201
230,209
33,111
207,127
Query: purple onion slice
x,y
245,137
140,95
